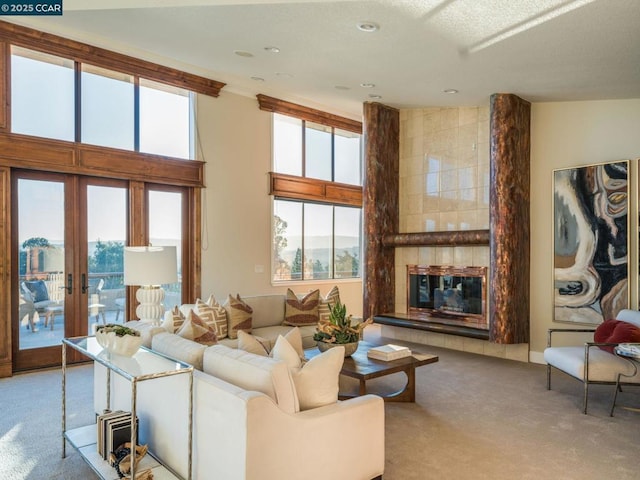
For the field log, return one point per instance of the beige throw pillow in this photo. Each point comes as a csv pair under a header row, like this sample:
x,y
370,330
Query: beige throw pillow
x,y
239,316
285,352
194,328
331,298
251,344
301,312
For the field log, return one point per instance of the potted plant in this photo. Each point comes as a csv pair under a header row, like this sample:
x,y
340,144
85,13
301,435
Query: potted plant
x,y
339,330
118,339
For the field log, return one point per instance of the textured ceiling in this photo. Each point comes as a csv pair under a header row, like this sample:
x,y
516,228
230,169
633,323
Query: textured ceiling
x,y
542,50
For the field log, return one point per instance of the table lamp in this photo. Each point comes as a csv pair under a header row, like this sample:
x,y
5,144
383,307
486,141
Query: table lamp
x,y
149,268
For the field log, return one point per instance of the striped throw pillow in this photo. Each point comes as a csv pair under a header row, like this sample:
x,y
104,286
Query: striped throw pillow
x,y
332,298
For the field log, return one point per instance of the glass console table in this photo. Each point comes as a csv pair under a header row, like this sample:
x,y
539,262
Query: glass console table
x,y
143,366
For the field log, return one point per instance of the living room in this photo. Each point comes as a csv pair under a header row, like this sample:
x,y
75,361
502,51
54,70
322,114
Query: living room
x,y
236,139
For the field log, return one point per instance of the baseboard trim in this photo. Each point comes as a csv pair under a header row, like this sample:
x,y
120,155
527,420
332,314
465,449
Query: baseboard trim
x,y
6,370
537,357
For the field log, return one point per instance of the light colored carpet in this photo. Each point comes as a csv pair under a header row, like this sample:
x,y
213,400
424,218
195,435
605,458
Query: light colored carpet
x,y
475,417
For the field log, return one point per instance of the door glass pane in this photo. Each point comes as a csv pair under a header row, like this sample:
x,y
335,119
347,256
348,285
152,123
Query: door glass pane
x,y
347,157
287,240
317,151
287,145
107,108
165,120
42,95
106,237
165,229
41,216
347,242
318,239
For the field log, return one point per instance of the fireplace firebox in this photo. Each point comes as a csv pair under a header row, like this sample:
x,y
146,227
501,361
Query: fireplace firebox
x,y
448,295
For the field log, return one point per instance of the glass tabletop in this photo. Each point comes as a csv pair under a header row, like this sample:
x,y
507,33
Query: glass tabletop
x,y
143,364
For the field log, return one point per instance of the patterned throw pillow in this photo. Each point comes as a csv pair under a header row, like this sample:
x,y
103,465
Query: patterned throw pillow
x,y
173,320
239,316
300,312
332,298
214,315
194,328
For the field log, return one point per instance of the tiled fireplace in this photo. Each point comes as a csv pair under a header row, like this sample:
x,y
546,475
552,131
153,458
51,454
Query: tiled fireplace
x,y
449,295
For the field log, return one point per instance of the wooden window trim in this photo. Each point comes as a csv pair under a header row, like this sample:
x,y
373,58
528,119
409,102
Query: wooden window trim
x,y
275,105
292,187
35,153
84,53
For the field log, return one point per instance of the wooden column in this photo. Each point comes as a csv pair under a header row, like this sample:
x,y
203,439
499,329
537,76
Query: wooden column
x,y
380,206
509,219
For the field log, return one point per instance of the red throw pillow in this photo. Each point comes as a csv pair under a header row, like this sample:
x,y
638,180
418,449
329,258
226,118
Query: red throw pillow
x,y
616,331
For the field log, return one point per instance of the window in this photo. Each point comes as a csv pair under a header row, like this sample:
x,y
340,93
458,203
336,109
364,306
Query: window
x,y
107,108
315,241
42,95
165,120
43,103
317,214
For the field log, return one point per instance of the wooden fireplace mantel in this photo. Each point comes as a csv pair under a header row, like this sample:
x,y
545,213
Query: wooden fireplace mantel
x,y
438,239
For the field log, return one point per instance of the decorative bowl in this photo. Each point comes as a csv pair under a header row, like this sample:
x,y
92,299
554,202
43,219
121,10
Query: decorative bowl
x,y
349,348
127,345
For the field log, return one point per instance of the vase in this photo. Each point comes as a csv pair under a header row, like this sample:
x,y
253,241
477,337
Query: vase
x,y
349,348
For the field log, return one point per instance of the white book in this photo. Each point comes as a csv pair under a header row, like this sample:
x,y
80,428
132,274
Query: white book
x,y
389,352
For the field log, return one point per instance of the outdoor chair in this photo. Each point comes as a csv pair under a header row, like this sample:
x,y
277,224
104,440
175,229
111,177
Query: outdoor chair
x,y
35,295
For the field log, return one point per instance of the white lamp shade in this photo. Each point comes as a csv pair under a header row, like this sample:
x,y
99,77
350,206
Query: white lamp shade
x,y
150,265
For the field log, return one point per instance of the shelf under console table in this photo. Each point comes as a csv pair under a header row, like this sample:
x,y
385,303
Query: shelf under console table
x,y
143,366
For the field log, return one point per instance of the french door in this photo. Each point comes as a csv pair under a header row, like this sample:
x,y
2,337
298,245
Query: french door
x,y
68,235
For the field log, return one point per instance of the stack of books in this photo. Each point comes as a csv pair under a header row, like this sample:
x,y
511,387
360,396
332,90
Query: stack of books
x,y
388,352
113,429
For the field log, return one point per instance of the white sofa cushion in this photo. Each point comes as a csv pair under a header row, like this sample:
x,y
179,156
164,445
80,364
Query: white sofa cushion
x,y
147,330
253,372
603,366
268,310
179,348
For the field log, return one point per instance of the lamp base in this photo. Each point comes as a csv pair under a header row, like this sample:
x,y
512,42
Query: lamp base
x,y
150,308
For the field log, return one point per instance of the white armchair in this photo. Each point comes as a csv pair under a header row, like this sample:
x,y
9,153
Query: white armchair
x,y
589,363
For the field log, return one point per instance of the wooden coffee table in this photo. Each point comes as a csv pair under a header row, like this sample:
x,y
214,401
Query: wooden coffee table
x,y
363,368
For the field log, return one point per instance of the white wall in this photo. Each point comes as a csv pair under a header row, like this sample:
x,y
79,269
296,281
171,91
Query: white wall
x,y
570,134
235,136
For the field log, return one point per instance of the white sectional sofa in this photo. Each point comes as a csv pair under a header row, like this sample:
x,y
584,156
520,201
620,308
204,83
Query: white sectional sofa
x,y
248,426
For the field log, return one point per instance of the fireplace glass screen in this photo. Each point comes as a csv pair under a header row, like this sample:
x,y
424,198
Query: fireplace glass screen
x,y
446,290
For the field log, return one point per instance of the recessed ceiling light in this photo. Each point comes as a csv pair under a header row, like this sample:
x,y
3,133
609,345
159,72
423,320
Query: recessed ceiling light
x,y
243,53
367,85
257,79
450,91
341,87
272,49
374,96
368,26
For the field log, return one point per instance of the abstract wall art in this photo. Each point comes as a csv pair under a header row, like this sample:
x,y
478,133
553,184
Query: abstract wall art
x,y
590,232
